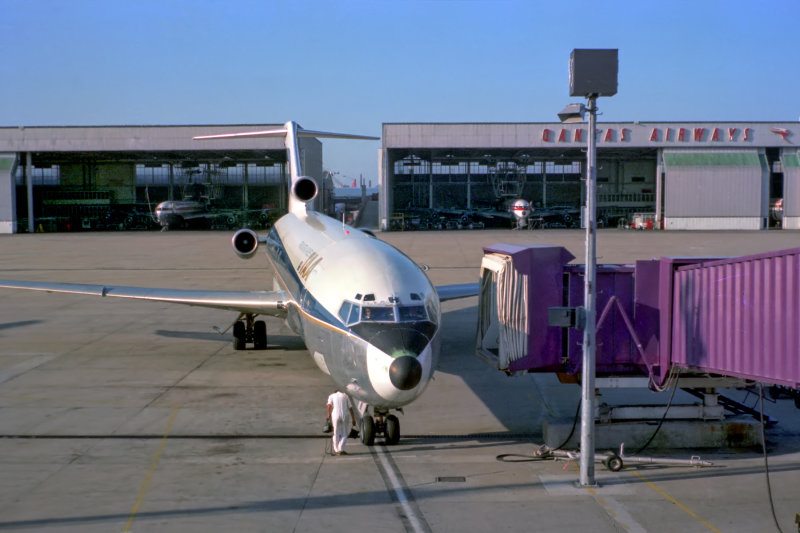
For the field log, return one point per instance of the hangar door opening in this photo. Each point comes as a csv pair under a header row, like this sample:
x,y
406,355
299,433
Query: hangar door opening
x,y
502,319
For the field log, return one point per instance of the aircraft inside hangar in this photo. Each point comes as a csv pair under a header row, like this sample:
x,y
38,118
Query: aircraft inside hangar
x,y
687,175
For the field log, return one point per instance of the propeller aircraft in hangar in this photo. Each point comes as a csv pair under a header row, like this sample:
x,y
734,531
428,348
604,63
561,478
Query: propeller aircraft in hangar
x,y
369,316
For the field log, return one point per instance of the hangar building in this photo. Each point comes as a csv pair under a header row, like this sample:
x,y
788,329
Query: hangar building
x,y
690,175
87,175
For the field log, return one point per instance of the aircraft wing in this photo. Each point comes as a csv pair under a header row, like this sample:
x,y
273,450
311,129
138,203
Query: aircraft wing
x,y
256,302
462,290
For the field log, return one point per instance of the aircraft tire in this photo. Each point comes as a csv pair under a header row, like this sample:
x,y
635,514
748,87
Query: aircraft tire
x,y
392,430
614,463
260,335
239,336
368,430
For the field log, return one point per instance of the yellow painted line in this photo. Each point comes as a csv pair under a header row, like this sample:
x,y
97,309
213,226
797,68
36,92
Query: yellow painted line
x,y
673,500
150,472
541,404
602,503
607,508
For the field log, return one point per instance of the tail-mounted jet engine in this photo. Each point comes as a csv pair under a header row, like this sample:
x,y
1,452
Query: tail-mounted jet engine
x,y
304,189
245,243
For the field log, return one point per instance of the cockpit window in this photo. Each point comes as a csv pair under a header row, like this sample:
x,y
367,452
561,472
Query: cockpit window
x,y
377,314
412,313
344,312
352,313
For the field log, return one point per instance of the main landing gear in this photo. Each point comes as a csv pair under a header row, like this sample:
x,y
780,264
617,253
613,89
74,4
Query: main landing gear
x,y
382,424
249,330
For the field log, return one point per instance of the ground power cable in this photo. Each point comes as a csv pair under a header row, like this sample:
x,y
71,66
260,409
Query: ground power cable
x,y
663,417
574,425
525,458
311,486
766,461
519,458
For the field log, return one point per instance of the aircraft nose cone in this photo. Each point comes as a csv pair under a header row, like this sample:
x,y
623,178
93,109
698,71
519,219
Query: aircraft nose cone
x,y
405,372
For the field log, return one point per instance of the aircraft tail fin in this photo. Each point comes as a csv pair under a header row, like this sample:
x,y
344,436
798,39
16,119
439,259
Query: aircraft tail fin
x,y
302,188
265,133
332,135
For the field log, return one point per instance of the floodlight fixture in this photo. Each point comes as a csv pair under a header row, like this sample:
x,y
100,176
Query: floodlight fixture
x,y
572,113
593,72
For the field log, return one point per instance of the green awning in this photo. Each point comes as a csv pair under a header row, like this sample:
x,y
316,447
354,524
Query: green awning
x,y
790,160
717,159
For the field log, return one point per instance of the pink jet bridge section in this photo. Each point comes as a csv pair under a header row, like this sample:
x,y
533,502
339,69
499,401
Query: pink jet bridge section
x,y
737,317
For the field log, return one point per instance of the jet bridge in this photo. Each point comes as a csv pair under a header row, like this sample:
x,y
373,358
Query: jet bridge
x,y
735,317
689,322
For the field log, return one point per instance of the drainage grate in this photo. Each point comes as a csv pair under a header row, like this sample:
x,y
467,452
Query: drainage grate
x,y
451,479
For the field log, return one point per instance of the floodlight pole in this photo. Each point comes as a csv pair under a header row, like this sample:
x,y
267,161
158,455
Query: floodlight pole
x,y
589,307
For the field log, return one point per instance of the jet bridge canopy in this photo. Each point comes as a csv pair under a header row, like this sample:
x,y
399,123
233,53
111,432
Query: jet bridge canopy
x,y
733,317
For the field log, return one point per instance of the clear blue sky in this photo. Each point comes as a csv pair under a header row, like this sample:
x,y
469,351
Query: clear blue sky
x,y
352,65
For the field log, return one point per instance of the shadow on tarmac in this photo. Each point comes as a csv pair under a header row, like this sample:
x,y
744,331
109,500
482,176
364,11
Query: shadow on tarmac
x,y
428,492
20,324
499,392
284,342
507,398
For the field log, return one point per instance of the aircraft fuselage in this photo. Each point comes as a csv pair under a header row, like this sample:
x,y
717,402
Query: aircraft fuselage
x,y
177,213
368,314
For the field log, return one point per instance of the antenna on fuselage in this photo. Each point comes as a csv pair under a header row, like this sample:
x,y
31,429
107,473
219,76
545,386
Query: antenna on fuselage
x,y
302,188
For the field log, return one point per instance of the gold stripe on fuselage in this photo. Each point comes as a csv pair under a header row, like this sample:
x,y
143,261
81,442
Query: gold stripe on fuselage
x,y
314,319
308,265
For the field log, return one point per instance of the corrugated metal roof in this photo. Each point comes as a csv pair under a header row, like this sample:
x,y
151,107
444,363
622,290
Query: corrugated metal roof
x,y
627,135
132,138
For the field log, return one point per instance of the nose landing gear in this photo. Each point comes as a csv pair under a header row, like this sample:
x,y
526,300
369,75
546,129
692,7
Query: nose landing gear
x,y
383,424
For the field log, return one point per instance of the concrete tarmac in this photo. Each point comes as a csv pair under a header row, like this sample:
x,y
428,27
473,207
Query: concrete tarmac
x,y
135,416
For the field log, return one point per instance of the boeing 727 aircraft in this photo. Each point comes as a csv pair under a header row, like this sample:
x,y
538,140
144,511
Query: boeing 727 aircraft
x,y
367,313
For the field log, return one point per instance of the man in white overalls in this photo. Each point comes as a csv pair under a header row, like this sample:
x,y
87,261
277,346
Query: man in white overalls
x,y
338,410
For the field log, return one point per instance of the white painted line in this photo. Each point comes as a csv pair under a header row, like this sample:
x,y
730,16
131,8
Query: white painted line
x,y
400,493
621,515
29,362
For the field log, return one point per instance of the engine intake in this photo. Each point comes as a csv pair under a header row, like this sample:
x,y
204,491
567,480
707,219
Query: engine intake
x,y
245,243
304,189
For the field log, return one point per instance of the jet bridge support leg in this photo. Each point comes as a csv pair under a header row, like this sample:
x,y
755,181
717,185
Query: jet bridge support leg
x,y
669,425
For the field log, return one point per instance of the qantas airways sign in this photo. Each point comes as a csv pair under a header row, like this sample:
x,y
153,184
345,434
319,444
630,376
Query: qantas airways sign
x,y
555,135
670,135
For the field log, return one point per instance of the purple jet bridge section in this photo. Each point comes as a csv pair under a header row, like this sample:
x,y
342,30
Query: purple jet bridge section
x,y
736,317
